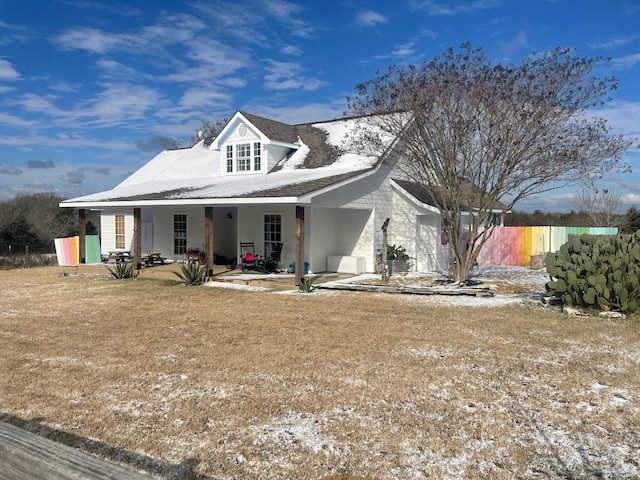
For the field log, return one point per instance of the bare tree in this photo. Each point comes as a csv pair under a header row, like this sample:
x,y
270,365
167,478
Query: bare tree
x,y
600,205
208,130
481,137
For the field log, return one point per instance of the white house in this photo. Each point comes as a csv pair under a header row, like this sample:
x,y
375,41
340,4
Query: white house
x,y
269,182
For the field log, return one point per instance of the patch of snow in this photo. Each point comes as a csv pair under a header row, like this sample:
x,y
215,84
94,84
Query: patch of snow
x,y
235,286
298,157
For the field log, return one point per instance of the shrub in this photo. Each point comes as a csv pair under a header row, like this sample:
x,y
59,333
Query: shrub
x,y
597,273
192,273
397,253
122,270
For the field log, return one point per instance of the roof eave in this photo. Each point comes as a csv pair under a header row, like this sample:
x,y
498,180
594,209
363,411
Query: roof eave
x,y
102,204
413,199
307,197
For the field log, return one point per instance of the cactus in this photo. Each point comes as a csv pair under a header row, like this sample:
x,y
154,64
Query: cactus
x,y
597,273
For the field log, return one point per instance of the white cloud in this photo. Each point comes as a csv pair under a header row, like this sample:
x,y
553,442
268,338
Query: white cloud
x,y
615,42
7,72
310,112
630,199
626,61
434,8
369,18
292,50
89,39
515,44
287,75
404,50
623,117
203,97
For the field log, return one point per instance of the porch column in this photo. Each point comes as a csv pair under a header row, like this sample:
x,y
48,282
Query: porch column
x,y
299,243
208,239
137,238
82,235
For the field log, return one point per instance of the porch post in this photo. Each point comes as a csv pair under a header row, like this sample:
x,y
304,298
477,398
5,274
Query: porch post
x,y
299,243
82,235
137,238
208,239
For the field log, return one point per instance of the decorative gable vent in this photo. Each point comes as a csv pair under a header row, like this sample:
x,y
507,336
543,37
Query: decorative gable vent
x,y
243,130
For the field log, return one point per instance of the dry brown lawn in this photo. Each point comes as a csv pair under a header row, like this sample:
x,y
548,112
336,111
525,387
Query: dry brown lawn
x,y
195,382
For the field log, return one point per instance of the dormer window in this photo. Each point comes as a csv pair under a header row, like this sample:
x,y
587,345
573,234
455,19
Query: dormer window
x,y
243,157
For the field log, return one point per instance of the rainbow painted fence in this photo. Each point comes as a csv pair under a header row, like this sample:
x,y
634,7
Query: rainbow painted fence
x,y
516,245
68,250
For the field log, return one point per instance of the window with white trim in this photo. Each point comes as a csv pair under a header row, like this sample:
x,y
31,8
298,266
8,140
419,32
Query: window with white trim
x,y
229,158
256,156
272,233
243,157
120,235
180,234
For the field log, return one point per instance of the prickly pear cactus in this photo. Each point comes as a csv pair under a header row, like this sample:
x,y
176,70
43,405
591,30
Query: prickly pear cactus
x,y
597,273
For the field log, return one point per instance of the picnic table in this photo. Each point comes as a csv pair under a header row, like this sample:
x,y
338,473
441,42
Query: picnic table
x,y
153,258
116,256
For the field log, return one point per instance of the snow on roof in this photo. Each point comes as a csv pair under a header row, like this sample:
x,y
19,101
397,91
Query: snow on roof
x,y
177,164
195,172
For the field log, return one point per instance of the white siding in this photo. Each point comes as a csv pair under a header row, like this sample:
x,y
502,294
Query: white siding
x,y
108,229
224,230
340,232
251,229
273,155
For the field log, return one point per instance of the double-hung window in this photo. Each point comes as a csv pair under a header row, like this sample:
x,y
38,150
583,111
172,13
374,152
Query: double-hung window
x,y
229,158
243,157
256,156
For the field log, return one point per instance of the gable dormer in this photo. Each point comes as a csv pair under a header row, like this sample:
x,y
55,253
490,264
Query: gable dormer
x,y
249,144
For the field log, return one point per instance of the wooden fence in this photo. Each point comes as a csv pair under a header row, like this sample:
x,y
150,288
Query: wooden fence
x,y
516,245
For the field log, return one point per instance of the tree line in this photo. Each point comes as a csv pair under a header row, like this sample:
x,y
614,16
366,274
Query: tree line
x,y
34,221
627,222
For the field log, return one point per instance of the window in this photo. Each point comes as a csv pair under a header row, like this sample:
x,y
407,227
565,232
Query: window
x,y
229,158
272,233
120,231
243,157
179,234
256,156
444,237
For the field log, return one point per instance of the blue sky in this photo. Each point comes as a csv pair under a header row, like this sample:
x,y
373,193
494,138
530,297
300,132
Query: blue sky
x,y
91,90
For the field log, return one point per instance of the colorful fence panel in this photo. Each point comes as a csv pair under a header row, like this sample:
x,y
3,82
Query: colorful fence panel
x,y
68,250
516,245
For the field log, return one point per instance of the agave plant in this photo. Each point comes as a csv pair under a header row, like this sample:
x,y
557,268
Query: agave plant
x,y
306,284
122,270
192,273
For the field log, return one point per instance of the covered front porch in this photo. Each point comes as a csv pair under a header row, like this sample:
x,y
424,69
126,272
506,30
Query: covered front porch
x,y
308,235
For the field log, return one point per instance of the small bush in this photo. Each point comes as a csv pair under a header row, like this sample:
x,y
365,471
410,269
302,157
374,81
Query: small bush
x,y
122,270
192,273
597,273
